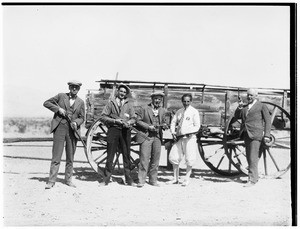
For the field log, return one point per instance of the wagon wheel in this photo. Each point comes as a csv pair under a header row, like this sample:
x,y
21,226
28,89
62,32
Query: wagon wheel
x,y
96,144
214,155
276,155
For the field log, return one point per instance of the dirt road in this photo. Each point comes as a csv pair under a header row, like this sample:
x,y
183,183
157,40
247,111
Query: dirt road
x,y
210,199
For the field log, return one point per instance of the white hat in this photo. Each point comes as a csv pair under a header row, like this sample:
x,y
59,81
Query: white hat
x,y
74,82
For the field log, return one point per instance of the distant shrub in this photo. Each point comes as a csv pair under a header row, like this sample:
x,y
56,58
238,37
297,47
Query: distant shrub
x,y
29,126
22,127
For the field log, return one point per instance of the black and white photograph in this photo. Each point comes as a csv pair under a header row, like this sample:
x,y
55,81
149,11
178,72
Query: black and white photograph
x,y
149,114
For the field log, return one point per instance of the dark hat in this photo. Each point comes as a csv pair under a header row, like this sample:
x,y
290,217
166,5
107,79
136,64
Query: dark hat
x,y
124,86
161,93
74,82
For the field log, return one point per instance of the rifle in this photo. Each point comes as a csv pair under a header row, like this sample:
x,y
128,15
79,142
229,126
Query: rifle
x,y
77,134
171,142
157,127
132,128
184,135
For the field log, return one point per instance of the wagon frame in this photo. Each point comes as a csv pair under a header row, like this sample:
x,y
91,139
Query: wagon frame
x,y
218,142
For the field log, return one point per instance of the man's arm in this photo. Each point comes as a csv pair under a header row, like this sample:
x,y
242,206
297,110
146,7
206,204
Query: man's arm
x,y
52,104
105,115
140,116
196,120
267,119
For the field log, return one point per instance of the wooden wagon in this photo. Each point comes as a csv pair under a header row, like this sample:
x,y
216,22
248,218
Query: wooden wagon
x,y
218,141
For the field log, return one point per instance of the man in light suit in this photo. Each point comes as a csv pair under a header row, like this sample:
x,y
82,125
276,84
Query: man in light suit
x,y
150,120
70,105
255,128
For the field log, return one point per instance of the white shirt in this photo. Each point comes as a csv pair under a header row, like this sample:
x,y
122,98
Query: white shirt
x,y
155,111
190,121
72,101
120,102
251,104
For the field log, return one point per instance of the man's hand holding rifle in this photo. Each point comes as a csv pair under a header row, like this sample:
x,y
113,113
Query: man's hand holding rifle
x,y
73,125
128,125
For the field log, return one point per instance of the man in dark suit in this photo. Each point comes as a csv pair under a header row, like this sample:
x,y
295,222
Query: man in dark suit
x,y
150,120
70,105
255,128
118,115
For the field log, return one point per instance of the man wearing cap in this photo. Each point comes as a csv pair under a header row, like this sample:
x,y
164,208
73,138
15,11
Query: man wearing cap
x,y
255,128
184,126
70,105
118,115
150,120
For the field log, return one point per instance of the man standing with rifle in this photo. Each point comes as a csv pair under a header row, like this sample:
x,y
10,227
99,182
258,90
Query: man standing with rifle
x,y
118,115
151,120
69,113
184,126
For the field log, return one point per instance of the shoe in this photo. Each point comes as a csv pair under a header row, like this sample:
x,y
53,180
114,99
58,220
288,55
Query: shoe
x,y
49,185
131,184
140,185
249,184
155,184
185,183
103,184
172,182
71,184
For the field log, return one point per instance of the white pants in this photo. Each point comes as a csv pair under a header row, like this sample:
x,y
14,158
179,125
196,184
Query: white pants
x,y
184,147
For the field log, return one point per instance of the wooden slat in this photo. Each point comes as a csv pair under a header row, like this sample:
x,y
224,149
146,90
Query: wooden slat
x,y
32,139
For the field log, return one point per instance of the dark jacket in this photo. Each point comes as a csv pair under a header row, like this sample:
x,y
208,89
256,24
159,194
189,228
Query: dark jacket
x,y
62,100
112,111
145,119
257,122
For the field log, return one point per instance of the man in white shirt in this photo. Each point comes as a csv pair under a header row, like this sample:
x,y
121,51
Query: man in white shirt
x,y
184,126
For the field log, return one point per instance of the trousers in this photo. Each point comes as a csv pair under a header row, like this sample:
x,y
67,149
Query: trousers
x,y
252,155
118,139
149,160
62,134
184,147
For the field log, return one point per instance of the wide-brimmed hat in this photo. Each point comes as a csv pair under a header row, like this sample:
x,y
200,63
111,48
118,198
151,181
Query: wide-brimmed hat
x,y
124,86
74,82
160,93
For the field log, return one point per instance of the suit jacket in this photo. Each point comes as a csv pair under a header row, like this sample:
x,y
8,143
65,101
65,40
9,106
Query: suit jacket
x,y
62,99
256,121
112,111
145,119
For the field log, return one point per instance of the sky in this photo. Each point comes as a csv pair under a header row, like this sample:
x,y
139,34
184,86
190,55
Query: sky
x,y
46,46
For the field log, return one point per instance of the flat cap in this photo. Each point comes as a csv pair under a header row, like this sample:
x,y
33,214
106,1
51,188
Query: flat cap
x,y
74,82
124,86
161,93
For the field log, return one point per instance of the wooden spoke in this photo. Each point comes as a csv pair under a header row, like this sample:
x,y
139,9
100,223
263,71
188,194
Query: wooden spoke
x,y
276,157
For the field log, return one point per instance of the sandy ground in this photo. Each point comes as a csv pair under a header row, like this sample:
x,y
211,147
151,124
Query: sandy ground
x,y
210,199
